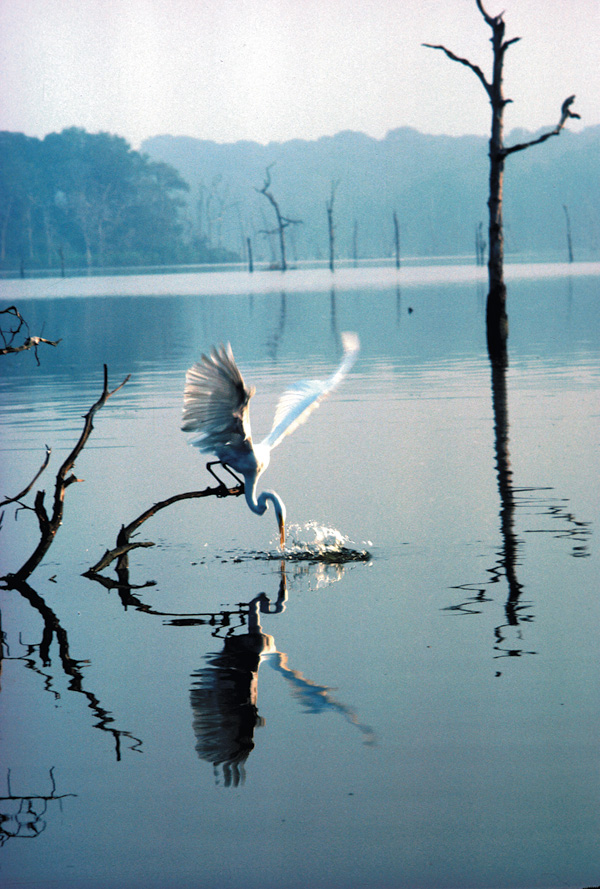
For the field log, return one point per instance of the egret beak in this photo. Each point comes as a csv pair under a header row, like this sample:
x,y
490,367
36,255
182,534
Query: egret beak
x,y
282,532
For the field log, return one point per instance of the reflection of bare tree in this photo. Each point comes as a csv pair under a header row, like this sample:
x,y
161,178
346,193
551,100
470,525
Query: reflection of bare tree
x,y
507,563
508,635
71,667
224,693
23,817
274,338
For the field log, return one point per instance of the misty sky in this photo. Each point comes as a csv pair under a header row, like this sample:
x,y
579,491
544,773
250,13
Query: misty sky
x,y
272,70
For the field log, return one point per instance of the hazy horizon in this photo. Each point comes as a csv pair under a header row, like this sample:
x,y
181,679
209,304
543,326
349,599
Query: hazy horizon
x,y
278,70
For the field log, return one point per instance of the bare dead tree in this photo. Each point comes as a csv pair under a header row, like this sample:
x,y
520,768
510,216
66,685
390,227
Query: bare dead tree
x,y
569,238
9,336
330,223
497,319
397,239
49,524
26,816
250,259
283,222
355,243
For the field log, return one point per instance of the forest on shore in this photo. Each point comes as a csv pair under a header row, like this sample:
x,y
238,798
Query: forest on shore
x,y
77,199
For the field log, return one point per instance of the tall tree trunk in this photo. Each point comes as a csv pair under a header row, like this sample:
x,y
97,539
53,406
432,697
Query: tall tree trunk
x,y
496,316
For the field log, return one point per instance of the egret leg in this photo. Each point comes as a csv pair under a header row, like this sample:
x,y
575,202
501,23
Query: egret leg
x,y
209,466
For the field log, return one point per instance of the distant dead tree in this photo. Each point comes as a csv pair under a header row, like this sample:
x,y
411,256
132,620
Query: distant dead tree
x,y
330,223
283,222
355,243
397,239
497,319
569,238
25,817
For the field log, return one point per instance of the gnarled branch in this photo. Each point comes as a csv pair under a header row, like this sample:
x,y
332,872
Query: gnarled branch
x,y
26,490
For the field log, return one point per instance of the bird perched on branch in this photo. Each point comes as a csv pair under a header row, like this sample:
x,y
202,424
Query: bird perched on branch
x,y
566,109
216,412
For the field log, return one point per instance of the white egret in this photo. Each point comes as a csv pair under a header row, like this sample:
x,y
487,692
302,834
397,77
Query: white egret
x,y
216,411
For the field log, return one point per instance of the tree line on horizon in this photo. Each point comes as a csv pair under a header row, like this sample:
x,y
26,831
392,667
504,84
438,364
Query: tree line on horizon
x,y
78,199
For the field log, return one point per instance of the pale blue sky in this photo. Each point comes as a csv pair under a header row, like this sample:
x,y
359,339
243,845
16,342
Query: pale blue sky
x,y
281,69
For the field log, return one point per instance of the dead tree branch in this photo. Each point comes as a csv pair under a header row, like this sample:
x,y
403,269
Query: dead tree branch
x,y
72,667
565,114
330,223
124,544
49,524
475,68
30,342
25,491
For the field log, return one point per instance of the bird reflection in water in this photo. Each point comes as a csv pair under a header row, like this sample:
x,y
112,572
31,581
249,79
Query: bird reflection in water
x,y
224,693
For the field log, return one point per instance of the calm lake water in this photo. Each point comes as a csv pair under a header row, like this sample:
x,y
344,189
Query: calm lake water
x,y
425,718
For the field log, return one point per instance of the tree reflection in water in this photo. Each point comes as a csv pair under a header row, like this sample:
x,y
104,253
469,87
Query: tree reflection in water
x,y
508,636
24,817
71,667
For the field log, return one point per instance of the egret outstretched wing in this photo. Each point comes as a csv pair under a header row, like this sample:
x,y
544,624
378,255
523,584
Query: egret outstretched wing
x,y
215,404
300,400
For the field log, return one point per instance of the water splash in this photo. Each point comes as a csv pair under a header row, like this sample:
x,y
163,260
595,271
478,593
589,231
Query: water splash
x,y
313,542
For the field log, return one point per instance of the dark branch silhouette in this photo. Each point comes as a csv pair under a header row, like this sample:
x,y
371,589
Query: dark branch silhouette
x,y
49,524
29,821
124,544
18,497
330,223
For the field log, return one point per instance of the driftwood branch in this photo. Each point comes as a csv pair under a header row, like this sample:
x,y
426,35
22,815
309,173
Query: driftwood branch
x,y
565,114
124,544
49,524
